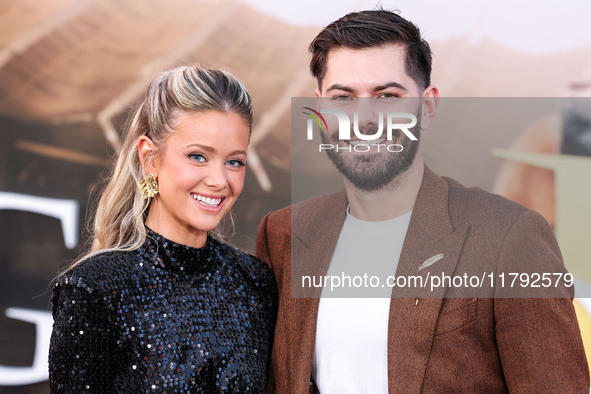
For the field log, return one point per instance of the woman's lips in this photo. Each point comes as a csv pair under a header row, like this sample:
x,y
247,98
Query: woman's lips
x,y
208,201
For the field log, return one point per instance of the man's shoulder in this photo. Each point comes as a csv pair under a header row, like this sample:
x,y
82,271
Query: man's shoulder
x,y
305,210
480,207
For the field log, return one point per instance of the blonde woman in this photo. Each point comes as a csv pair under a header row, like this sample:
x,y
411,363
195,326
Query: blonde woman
x,y
158,304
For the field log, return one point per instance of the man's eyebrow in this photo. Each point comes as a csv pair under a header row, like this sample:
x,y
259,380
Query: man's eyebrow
x,y
390,85
378,88
337,86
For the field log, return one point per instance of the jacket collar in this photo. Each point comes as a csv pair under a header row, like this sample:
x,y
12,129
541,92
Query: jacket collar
x,y
318,229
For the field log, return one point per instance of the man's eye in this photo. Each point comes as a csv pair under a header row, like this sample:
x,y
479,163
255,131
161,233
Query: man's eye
x,y
342,98
236,163
197,157
388,95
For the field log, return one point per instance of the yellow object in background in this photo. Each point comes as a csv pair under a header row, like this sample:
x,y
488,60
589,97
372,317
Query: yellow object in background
x,y
584,319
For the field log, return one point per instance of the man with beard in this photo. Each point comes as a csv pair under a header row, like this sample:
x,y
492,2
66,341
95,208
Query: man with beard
x,y
397,216
365,168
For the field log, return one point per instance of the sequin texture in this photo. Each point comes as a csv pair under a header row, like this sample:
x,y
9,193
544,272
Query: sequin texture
x,y
165,318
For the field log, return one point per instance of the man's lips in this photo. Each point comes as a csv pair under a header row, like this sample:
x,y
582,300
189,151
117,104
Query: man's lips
x,y
356,142
210,201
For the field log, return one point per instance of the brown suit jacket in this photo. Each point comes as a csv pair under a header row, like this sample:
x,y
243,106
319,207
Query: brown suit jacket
x,y
442,344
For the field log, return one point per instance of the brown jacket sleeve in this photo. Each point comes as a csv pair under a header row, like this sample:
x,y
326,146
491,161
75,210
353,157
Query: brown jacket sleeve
x,y
538,339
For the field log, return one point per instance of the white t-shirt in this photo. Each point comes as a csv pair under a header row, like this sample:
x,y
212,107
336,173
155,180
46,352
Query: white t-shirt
x,y
351,349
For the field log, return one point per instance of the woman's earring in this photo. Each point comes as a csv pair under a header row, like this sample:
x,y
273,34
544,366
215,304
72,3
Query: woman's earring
x,y
149,186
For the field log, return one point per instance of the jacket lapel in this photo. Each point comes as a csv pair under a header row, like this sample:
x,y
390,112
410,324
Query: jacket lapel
x,y
314,238
412,323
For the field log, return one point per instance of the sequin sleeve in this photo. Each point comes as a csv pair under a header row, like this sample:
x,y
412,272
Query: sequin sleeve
x,y
80,355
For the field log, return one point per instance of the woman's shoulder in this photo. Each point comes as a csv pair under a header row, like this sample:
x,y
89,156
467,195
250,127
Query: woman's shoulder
x,y
254,271
251,263
98,271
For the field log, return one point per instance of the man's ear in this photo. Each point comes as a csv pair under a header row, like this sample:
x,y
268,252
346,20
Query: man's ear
x,y
430,104
146,151
318,99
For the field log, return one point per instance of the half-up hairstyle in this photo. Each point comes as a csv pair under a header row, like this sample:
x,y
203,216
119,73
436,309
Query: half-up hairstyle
x,y
120,215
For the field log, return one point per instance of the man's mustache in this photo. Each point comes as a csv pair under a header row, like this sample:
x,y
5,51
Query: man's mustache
x,y
367,129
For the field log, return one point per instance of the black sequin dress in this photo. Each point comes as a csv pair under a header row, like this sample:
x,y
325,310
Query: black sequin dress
x,y
164,318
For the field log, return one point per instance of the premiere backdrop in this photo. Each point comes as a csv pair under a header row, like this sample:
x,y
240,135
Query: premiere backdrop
x,y
71,69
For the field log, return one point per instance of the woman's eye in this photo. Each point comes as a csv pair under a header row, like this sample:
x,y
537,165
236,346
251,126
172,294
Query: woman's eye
x,y
197,157
236,163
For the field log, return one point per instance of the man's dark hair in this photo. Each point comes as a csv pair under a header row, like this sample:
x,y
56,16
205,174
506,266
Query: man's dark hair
x,y
373,28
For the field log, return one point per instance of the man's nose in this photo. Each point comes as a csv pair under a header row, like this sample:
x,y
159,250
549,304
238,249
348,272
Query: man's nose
x,y
366,112
367,120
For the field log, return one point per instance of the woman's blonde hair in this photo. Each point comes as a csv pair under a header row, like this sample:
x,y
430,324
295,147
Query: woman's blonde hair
x,y
120,214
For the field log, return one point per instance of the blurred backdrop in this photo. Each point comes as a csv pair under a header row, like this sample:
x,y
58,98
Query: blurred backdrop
x,y
70,70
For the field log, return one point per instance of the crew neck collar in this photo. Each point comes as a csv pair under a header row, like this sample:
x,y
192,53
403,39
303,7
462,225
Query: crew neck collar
x,y
178,257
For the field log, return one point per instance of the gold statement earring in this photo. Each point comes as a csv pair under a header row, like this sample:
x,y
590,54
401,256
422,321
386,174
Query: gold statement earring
x,y
149,186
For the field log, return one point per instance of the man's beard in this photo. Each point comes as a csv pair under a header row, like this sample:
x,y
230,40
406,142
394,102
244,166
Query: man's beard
x,y
372,172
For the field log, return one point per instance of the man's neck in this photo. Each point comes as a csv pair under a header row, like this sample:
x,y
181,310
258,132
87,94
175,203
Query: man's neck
x,y
392,201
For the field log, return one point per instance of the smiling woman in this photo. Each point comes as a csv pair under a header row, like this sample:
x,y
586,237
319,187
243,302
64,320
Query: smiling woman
x,y
158,303
201,172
